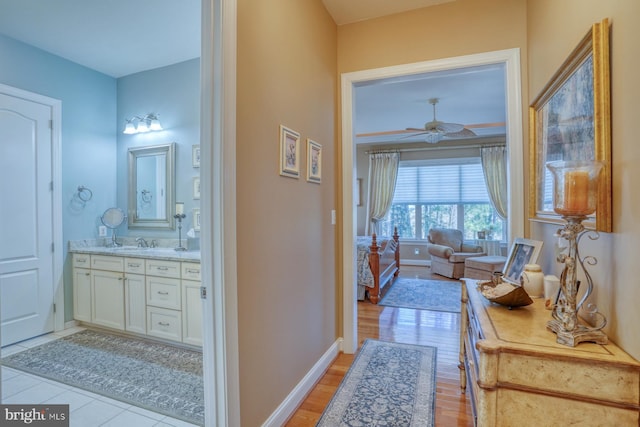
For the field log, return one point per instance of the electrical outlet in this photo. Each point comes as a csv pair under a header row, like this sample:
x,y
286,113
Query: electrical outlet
x,y
102,231
416,251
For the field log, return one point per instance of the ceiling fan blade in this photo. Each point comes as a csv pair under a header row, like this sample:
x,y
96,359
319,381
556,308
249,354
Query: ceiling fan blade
x,y
422,130
464,133
445,127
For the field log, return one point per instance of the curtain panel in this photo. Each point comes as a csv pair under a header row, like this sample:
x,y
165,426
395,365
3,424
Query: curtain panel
x,y
383,172
494,166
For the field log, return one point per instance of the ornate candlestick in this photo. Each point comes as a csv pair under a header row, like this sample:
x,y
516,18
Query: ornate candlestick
x,y
180,216
575,197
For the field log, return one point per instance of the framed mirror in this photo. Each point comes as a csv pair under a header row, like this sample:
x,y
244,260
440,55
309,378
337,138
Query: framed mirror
x,y
151,186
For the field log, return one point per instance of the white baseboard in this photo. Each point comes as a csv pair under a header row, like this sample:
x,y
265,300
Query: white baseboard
x,y
300,391
71,324
418,262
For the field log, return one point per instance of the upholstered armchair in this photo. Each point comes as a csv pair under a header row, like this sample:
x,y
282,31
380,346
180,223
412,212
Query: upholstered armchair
x,y
448,252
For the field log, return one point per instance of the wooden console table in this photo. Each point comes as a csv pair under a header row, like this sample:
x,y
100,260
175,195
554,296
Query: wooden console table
x,y
519,375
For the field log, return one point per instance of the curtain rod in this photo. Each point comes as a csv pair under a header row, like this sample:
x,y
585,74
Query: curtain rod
x,y
406,150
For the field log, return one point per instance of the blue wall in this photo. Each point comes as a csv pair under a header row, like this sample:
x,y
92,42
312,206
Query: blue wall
x,y
94,150
173,92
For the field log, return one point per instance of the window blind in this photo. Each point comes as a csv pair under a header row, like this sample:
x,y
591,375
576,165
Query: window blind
x,y
441,184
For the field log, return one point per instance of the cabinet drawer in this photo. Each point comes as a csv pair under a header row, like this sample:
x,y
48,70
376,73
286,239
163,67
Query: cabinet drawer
x,y
163,323
134,265
163,292
105,262
82,260
163,268
191,271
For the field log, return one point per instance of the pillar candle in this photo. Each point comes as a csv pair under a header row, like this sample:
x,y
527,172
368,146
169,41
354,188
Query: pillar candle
x,y
179,208
576,192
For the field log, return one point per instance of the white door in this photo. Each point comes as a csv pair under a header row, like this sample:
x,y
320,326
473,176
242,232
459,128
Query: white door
x,y
26,225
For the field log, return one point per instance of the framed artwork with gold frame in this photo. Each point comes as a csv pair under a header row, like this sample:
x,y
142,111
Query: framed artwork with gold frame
x,y
571,120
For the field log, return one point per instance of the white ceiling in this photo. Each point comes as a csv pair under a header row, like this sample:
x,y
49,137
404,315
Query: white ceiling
x,y
117,39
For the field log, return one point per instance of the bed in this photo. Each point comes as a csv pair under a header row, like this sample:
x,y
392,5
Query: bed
x,y
378,263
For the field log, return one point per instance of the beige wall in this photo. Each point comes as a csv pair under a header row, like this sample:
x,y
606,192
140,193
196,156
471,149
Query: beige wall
x,y
286,243
554,29
454,29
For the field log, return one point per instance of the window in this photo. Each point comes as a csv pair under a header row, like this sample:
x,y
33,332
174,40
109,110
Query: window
x,y
447,193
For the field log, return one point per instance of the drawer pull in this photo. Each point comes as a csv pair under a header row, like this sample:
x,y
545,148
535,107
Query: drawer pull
x,y
164,324
87,274
162,268
134,265
192,271
163,292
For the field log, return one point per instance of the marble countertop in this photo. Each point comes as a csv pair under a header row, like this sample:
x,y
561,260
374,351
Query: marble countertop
x,y
166,253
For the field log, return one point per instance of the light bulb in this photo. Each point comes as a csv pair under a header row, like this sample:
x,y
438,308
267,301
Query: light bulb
x,y
142,126
129,128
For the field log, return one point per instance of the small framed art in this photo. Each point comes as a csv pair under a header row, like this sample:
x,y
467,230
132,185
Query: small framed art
x,y
523,251
289,152
196,188
196,219
314,161
195,156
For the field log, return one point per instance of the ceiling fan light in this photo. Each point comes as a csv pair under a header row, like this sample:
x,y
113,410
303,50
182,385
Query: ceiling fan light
x,y
433,137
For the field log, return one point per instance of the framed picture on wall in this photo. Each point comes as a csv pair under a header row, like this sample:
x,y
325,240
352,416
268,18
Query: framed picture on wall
x,y
314,161
196,219
195,156
289,152
196,188
571,120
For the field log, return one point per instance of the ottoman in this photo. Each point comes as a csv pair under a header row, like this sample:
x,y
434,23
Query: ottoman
x,y
483,267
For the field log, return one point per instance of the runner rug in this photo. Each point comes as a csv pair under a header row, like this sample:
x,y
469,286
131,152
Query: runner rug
x,y
438,295
388,384
154,376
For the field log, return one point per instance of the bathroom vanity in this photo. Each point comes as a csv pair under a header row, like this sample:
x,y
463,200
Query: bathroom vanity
x,y
146,291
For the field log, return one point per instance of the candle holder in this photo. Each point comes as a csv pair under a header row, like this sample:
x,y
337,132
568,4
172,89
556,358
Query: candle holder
x,y
180,217
575,196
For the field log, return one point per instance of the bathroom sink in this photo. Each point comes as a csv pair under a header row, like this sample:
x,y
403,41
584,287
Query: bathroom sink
x,y
128,248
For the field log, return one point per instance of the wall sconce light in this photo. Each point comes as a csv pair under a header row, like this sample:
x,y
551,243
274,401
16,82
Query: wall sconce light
x,y
146,123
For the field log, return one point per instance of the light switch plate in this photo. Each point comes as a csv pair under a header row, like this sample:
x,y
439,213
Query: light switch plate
x,y
333,217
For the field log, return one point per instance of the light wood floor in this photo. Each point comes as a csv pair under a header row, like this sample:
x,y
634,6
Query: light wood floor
x,y
438,329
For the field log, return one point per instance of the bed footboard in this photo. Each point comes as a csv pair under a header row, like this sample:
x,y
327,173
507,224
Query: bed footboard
x,y
384,266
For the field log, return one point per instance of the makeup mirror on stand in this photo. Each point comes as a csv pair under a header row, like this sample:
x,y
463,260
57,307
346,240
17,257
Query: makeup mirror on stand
x,y
112,218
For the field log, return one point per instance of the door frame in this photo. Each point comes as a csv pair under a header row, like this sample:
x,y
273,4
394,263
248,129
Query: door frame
x,y
515,187
218,233
56,176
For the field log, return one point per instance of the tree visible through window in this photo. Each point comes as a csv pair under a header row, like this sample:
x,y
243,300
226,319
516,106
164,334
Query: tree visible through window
x,y
449,194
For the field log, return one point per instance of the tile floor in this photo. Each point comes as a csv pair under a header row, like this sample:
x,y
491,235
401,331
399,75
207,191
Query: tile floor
x,y
86,409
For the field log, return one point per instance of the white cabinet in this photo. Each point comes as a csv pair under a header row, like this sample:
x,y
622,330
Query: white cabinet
x,y
107,301
82,294
135,303
191,313
81,287
154,297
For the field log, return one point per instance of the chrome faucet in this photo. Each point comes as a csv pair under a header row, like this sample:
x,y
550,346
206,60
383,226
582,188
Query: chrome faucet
x,y
154,243
142,243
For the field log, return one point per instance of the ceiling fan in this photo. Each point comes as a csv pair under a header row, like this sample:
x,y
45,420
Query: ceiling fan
x,y
435,130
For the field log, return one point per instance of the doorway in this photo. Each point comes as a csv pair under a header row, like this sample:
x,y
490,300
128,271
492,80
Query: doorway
x,y
31,256
514,136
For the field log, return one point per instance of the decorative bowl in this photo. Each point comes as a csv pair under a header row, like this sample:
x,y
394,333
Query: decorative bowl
x,y
505,293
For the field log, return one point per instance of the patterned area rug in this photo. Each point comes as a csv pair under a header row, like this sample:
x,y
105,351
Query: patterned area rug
x,y
438,295
388,384
161,378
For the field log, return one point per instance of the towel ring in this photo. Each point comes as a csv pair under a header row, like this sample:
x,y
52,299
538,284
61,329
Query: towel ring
x,y
84,193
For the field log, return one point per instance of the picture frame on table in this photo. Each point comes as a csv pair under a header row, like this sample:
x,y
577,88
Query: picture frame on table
x,y
314,161
571,120
196,188
522,252
195,156
289,152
